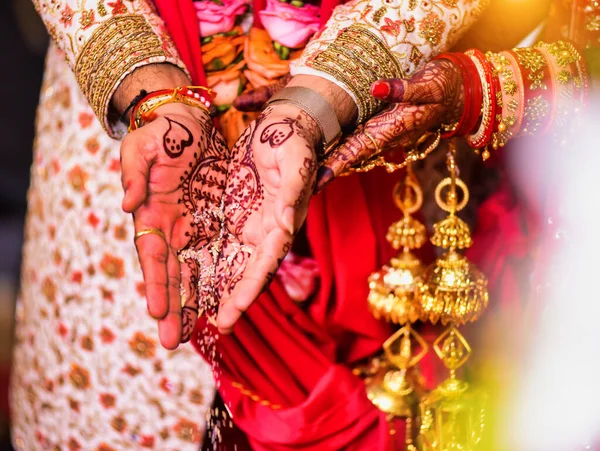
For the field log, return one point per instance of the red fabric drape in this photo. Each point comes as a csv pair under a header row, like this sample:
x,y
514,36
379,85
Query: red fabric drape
x,y
181,22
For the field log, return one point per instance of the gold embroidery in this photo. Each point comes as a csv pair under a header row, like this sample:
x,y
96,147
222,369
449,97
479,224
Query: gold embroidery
x,y
432,28
379,14
101,8
415,55
115,47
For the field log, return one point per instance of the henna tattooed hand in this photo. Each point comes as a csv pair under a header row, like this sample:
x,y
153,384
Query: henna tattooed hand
x,y
173,173
270,180
431,97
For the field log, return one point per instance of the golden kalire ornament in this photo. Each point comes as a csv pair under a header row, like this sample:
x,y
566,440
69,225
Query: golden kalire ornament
x,y
392,288
452,291
391,297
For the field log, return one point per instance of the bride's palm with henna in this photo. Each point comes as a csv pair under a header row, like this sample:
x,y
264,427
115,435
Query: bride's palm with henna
x,y
174,171
431,97
270,180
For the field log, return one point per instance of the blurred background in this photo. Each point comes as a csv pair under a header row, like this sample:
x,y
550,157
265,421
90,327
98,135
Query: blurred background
x,y
24,41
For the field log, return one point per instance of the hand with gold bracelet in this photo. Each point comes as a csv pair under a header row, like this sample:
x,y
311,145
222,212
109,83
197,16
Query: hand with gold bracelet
x,y
270,181
173,174
431,97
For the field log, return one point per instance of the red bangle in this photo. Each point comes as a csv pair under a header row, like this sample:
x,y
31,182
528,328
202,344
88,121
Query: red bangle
x,y
472,94
539,94
481,137
497,99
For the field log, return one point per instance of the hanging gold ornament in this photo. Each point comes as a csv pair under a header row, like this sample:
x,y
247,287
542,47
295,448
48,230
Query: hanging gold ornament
x,y
452,415
391,297
389,389
392,288
452,289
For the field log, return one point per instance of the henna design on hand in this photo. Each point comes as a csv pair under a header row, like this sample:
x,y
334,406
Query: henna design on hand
x,y
173,146
278,133
431,97
307,172
311,131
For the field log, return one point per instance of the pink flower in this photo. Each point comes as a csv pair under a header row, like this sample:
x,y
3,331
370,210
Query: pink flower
x,y
300,276
290,26
218,16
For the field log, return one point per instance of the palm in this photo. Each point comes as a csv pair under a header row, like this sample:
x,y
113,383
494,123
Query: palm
x,y
269,183
174,172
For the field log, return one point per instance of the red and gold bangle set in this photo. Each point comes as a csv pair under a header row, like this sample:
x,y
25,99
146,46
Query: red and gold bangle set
x,y
144,110
518,92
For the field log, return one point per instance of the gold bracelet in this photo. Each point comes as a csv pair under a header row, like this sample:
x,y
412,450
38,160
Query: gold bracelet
x,y
378,160
142,112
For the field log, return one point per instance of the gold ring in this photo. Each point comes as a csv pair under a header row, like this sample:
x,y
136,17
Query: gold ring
x,y
368,135
141,233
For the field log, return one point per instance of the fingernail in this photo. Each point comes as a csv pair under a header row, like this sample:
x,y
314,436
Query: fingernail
x,y
324,176
288,219
380,89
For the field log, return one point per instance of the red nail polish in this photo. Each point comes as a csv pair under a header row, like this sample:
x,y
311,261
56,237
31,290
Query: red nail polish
x,y
380,89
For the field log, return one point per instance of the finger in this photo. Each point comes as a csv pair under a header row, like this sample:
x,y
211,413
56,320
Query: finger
x,y
357,147
297,170
153,255
189,299
255,99
324,175
169,327
135,169
259,272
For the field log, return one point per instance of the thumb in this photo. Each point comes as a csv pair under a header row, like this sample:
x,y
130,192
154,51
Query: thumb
x,y
135,169
414,90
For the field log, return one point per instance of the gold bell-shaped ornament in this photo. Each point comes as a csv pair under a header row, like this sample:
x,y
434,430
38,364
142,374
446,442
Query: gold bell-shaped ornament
x,y
392,288
452,289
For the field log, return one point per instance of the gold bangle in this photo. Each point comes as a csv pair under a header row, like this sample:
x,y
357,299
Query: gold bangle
x,y
118,44
357,58
142,112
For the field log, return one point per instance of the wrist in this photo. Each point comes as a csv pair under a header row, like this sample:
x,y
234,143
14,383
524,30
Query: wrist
x,y
306,125
341,102
182,109
152,77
